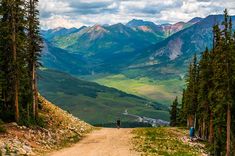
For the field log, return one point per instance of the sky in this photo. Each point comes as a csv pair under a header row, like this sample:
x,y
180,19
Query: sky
x,y
77,13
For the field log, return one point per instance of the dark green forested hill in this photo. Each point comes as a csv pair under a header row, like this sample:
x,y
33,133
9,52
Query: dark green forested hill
x,y
59,59
92,102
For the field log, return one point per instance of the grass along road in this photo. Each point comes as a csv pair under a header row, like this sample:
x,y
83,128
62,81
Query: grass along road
x,y
166,141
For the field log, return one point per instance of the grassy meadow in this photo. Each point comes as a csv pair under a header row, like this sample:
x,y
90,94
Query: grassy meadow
x,y
162,91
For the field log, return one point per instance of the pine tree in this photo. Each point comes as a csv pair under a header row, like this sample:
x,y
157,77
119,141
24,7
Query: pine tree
x,y
1,62
8,66
174,113
34,48
187,97
233,87
20,48
191,102
218,90
230,64
203,97
5,57
212,90
182,111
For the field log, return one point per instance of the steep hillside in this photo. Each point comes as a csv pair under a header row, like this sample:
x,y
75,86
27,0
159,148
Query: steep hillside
x,y
59,129
94,103
184,43
59,59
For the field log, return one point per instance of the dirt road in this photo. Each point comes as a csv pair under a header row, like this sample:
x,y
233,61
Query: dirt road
x,y
103,142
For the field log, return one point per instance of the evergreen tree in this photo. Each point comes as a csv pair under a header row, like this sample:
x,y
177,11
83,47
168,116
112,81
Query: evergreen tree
x,y
233,87
191,101
9,29
174,113
34,49
203,90
182,112
20,48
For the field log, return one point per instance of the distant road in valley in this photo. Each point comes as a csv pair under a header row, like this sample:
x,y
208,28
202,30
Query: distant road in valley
x,y
151,121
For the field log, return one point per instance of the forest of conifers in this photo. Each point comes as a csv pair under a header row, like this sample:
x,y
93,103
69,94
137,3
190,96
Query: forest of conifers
x,y
20,48
208,102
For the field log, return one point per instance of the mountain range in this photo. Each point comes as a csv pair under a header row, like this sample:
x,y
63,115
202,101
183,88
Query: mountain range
x,y
139,58
135,45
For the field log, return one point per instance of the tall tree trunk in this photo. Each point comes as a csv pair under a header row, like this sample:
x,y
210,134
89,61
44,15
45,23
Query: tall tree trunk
x,y
34,101
211,130
218,148
32,61
36,95
228,130
16,80
204,128
35,92
190,122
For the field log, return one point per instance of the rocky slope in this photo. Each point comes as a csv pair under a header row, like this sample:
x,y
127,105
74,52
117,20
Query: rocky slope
x,y
60,129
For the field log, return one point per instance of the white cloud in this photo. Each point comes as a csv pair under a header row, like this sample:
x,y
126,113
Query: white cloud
x,y
75,13
60,21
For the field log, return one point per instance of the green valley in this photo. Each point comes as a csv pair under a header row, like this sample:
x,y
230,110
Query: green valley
x,y
162,91
95,103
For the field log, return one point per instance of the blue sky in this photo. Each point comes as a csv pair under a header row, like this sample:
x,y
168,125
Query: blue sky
x,y
76,13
